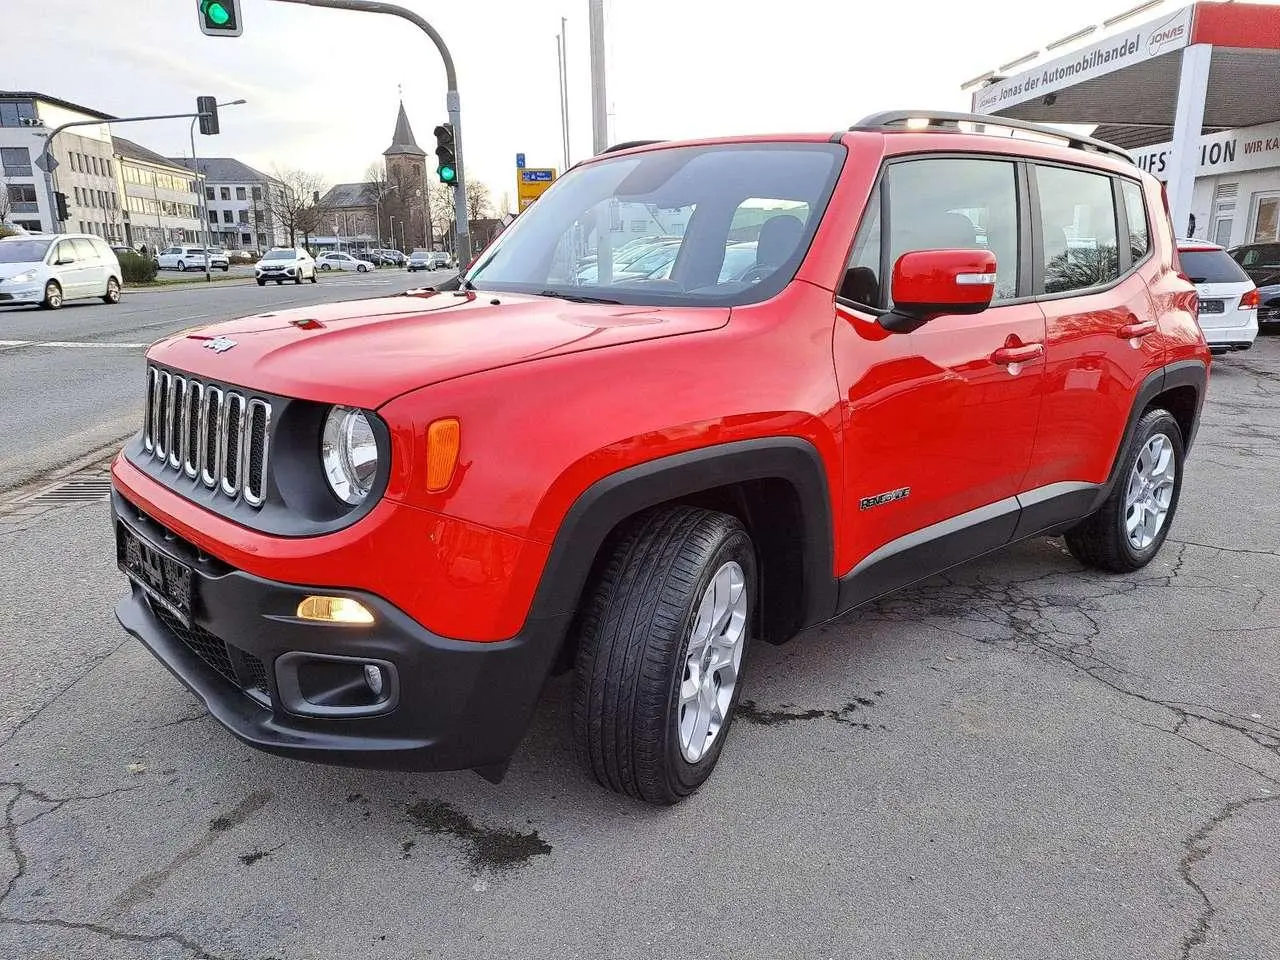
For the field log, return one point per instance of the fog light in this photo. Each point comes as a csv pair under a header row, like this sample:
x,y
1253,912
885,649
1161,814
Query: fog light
x,y
373,677
334,610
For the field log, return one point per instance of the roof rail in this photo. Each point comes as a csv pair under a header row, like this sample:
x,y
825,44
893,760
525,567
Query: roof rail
x,y
943,120
628,144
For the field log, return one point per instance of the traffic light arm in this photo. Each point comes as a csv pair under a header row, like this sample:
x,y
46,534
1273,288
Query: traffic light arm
x,y
455,110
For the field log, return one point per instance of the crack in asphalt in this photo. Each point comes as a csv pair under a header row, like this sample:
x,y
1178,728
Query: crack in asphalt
x,y
197,951
62,693
1194,853
1243,551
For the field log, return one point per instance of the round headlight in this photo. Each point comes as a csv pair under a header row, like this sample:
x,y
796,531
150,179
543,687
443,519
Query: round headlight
x,y
349,453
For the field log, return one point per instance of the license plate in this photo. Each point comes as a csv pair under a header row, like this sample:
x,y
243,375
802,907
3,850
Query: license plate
x,y
165,580
1211,306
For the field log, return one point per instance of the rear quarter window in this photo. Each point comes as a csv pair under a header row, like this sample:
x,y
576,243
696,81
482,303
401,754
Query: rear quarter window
x,y
1211,266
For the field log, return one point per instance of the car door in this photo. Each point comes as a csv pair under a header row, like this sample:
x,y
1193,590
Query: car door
x,y
939,424
1102,334
90,267
69,269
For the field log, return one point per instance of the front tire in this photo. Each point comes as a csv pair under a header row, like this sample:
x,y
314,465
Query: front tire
x,y
662,648
362,269
297,280
262,283
182,267
113,291
1129,528
52,296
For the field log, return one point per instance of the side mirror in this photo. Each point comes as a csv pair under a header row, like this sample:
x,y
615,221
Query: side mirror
x,y
932,283
65,261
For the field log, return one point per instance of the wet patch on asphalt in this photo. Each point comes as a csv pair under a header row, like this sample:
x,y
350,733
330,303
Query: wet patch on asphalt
x,y
492,848
751,712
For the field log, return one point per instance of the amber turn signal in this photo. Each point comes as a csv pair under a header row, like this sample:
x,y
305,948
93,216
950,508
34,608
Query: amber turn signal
x,y
334,610
444,437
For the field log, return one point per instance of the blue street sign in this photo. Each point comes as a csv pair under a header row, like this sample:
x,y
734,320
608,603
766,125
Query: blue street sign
x,y
519,161
536,176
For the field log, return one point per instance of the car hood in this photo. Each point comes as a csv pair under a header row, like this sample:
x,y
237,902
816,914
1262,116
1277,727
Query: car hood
x,y
8,270
365,353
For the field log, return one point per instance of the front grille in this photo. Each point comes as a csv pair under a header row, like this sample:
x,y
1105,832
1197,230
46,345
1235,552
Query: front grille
x,y
201,430
239,667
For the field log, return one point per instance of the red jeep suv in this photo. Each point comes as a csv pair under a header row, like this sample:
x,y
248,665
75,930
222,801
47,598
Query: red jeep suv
x,y
699,396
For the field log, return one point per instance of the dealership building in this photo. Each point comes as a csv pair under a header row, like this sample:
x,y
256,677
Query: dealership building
x,y
1192,92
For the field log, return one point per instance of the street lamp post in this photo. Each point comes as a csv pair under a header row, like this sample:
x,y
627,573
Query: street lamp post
x,y
202,196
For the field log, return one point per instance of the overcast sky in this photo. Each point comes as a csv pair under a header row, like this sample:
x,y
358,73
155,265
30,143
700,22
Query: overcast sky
x,y
322,85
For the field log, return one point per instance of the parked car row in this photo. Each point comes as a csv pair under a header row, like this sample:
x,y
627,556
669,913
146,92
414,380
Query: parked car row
x,y
193,258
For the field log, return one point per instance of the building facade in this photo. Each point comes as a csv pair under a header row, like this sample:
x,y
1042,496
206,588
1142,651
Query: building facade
x,y
1236,197
85,171
239,203
161,199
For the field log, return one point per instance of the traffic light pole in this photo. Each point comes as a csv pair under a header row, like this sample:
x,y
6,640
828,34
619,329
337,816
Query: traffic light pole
x,y
451,99
47,153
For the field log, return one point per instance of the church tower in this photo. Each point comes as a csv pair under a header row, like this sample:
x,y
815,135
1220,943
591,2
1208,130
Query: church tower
x,y
407,171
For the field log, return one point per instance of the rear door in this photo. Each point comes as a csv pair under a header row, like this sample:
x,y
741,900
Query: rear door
x,y
1103,338
939,424
91,271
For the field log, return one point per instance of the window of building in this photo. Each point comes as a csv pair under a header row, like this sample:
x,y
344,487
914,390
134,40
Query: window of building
x,y
244,216
13,112
208,193
225,193
93,162
22,198
246,239
240,193
226,216
1266,219
76,194
33,226
15,161
945,203
257,193
115,201
111,172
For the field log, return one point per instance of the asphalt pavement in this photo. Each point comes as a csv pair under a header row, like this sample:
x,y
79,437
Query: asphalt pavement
x,y
1020,759
71,380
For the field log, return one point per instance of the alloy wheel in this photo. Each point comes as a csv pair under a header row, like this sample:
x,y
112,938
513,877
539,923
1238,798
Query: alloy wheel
x,y
1150,491
712,660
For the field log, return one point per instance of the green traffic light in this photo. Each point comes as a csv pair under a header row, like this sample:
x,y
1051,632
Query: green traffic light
x,y
448,174
217,13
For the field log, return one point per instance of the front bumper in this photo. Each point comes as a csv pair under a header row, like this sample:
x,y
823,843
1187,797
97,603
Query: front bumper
x,y
459,704
11,293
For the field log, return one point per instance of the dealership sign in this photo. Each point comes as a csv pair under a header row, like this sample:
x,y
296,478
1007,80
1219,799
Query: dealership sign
x,y
1142,43
1232,151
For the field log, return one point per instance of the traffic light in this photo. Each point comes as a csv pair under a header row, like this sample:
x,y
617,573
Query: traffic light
x,y
60,201
448,169
220,18
207,107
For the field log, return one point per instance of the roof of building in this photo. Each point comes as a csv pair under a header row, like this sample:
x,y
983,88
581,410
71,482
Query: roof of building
x,y
348,195
129,150
403,143
222,169
65,104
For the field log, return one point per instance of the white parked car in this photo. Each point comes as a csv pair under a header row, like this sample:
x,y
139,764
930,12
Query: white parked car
x,y
421,260
181,258
219,259
342,261
289,263
1228,298
48,270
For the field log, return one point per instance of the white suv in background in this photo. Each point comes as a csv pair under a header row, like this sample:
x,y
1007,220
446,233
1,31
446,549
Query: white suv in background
x,y
289,263
1228,298
48,270
181,258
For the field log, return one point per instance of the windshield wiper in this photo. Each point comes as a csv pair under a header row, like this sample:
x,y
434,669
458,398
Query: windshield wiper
x,y
575,297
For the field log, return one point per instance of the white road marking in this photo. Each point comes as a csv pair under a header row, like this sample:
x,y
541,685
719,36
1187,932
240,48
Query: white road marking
x,y
72,343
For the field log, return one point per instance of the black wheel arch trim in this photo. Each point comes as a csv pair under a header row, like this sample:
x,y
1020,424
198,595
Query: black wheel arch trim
x,y
1183,373
599,509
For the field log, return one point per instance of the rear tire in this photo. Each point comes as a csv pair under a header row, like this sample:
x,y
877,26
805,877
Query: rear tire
x,y
1129,528
658,652
113,291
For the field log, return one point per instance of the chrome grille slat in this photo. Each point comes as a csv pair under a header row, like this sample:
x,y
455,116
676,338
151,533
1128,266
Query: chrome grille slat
x,y
218,437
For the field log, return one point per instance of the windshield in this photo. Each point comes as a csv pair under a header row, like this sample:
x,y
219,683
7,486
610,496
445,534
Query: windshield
x,y
657,227
279,255
23,251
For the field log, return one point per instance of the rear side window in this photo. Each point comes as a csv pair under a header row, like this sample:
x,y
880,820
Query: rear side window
x,y
1135,212
1078,221
1211,266
937,204
1264,255
84,249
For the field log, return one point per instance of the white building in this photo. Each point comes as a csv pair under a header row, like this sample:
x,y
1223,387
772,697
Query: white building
x,y
161,199
86,170
239,203
1236,198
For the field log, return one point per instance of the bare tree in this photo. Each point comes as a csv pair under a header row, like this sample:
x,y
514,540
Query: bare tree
x,y
479,200
295,205
441,209
5,206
